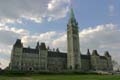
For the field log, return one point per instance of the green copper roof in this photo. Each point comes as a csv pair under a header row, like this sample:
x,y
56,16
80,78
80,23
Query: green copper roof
x,y
72,19
72,14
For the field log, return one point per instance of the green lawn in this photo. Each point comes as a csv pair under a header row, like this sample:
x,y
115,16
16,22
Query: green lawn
x,y
61,77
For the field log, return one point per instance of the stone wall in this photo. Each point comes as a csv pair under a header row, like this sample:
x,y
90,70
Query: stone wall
x,y
57,64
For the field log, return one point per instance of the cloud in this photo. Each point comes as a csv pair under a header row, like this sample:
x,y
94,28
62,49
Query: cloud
x,y
4,63
14,11
10,34
60,42
102,37
47,37
58,7
57,3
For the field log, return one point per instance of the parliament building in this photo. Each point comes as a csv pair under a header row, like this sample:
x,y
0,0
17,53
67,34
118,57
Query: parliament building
x,y
42,58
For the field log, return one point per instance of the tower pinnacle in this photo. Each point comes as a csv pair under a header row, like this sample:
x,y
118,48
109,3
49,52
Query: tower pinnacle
x,y
72,16
73,47
72,19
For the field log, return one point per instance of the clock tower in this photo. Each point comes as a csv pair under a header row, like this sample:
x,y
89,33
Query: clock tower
x,y
73,46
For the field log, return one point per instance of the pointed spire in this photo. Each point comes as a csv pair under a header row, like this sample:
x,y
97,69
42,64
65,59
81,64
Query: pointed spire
x,y
57,50
107,54
72,16
38,43
88,52
18,43
95,53
37,46
72,20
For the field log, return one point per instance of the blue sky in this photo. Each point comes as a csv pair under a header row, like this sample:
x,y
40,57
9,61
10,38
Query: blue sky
x,y
89,13
46,21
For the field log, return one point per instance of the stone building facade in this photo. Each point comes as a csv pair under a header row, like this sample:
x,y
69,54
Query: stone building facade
x,y
44,59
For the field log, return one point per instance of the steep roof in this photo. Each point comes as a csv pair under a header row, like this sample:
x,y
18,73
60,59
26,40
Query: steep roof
x,y
85,56
107,54
57,54
30,50
95,53
102,57
18,43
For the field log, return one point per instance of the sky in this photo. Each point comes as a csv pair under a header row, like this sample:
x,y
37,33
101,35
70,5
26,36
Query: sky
x,y
46,21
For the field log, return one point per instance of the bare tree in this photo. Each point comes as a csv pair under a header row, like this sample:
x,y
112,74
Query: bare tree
x,y
116,65
0,66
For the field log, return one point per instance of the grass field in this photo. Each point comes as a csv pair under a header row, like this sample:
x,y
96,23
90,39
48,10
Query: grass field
x,y
61,77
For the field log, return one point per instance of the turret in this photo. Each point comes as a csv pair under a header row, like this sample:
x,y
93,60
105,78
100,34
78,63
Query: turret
x,y
43,46
109,61
89,56
107,54
88,52
18,44
57,50
16,56
37,46
94,60
43,57
95,53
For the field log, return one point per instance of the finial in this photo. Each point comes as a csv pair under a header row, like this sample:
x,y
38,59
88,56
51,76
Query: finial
x,y
37,46
88,52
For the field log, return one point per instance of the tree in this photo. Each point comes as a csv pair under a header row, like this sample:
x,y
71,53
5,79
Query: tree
x,y
0,66
116,65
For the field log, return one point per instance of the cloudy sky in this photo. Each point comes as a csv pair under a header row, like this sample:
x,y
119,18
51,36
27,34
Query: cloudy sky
x,y
46,20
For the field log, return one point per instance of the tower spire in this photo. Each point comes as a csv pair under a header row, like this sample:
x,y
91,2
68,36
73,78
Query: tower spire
x,y
72,16
73,47
72,19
